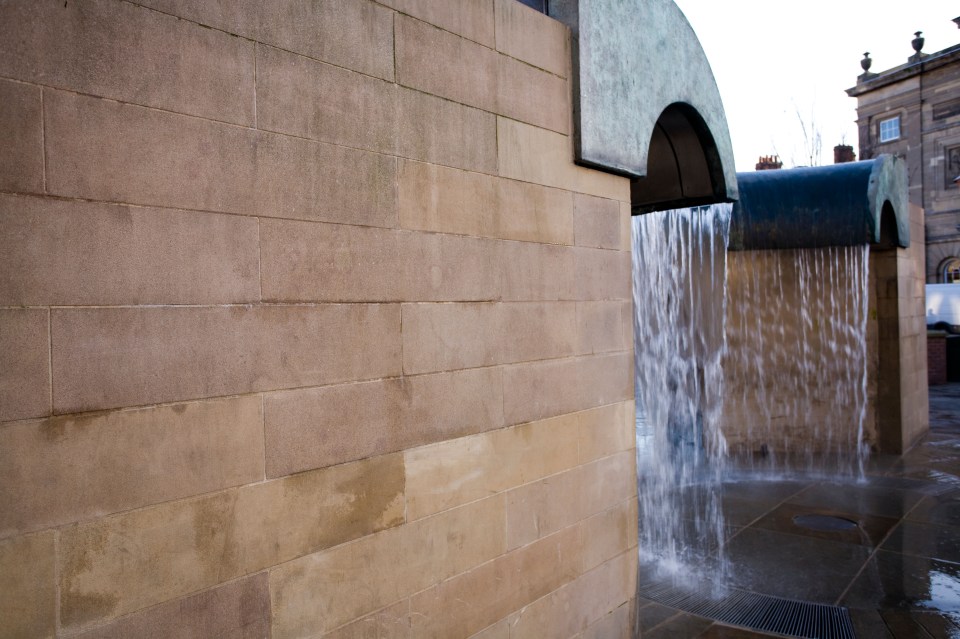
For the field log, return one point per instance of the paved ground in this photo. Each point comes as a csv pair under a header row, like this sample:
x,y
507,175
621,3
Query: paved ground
x,y
898,571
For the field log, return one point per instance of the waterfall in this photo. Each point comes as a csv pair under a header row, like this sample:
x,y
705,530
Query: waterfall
x,y
679,275
796,363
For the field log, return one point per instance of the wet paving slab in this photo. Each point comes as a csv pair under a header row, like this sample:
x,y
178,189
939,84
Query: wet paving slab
x,y
885,548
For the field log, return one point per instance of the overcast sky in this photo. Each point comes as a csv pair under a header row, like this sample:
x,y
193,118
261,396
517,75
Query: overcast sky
x,y
774,59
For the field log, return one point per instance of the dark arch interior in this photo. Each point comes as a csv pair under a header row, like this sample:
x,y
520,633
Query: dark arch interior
x,y
683,166
888,227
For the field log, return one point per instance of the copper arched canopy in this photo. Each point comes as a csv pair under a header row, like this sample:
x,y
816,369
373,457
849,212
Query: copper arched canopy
x,y
646,103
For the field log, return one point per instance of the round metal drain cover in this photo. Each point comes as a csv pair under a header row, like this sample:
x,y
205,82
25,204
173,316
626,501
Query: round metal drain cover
x,y
824,523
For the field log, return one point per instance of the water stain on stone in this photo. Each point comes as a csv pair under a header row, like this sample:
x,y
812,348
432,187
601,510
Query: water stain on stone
x,y
179,409
81,548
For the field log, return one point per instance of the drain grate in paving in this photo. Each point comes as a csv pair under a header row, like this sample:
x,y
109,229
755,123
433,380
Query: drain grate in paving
x,y
756,612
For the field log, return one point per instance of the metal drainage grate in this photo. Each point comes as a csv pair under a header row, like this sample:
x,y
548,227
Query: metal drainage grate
x,y
757,612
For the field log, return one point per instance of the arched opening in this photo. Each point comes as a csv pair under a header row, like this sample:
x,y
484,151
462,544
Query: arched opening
x,y
888,227
683,164
949,270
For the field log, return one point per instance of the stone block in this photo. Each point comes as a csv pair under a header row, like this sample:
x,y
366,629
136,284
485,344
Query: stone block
x,y
318,427
541,508
438,131
614,625
123,52
21,128
103,150
573,607
441,476
112,357
183,162
67,469
300,96
472,19
544,389
356,34
56,252
609,533
534,213
606,430
28,596
310,262
529,35
537,272
600,327
438,267
530,95
532,154
304,262
443,64
597,221
626,227
393,622
499,630
602,274
239,609
453,336
191,545
307,180
470,602
448,405
325,590
437,198
24,363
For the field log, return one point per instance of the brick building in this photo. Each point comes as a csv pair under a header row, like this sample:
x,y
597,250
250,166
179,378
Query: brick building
x,y
913,111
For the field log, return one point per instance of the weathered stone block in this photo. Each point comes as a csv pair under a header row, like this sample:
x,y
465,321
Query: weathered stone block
x,y
472,601
24,363
600,327
239,609
443,64
528,35
538,272
28,596
313,428
453,336
597,221
322,591
471,19
606,430
122,51
530,95
55,252
67,469
571,608
307,98
105,150
21,128
191,545
111,357
356,34
532,154
457,135
458,471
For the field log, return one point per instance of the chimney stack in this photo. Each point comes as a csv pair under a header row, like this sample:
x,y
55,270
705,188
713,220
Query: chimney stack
x,y
843,153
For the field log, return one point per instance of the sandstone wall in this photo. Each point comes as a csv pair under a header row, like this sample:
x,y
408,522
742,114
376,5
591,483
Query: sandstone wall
x,y
309,326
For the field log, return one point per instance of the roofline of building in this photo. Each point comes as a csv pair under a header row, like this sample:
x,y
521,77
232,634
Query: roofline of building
x,y
904,71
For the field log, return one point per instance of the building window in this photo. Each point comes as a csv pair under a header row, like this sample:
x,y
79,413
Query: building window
x,y
890,129
952,164
951,271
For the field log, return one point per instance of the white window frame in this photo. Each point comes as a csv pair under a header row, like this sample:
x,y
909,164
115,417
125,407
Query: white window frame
x,y
889,133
